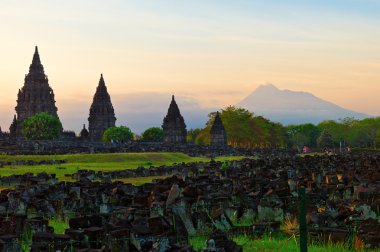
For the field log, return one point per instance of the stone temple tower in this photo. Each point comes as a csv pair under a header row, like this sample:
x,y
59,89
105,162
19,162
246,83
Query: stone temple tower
x,y
34,97
174,125
102,115
218,135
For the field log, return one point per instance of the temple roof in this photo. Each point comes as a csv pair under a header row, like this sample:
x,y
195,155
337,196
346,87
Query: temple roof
x,y
84,132
101,94
101,104
101,81
102,114
173,110
174,125
217,124
36,66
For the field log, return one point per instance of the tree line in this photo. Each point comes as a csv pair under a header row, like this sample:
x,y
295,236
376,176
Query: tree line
x,y
243,128
347,132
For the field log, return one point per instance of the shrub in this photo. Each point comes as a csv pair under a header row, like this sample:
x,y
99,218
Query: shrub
x,y
119,134
41,126
154,134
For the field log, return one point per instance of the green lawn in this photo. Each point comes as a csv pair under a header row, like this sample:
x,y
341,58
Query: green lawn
x,y
59,225
268,244
98,162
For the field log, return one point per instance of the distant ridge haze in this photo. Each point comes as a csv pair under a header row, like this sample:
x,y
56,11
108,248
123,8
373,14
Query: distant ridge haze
x,y
293,107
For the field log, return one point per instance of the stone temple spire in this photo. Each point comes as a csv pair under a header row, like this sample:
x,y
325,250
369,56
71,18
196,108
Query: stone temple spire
x,y
174,125
102,115
13,127
83,135
218,135
35,96
36,66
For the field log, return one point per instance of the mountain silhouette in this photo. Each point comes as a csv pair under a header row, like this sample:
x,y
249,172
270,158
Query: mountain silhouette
x,y
291,107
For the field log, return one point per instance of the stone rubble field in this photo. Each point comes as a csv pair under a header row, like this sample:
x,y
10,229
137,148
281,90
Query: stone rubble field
x,y
218,199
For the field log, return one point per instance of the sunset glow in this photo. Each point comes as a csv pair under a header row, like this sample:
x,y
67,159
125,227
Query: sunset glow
x,y
214,52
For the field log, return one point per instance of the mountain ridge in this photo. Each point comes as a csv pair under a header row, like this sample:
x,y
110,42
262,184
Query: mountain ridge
x,y
294,107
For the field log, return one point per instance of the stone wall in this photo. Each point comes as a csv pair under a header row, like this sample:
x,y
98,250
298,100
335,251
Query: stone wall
x,y
66,147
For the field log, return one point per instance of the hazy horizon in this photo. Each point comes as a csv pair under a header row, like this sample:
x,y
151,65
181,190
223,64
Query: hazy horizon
x,y
212,53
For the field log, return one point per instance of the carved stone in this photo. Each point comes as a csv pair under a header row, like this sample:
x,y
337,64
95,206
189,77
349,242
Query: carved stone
x,y
102,115
218,135
84,134
34,97
174,125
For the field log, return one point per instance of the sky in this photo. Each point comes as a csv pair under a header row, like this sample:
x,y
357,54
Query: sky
x,y
210,52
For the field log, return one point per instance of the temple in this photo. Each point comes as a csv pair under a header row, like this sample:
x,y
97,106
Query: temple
x,y
174,125
34,97
102,115
84,134
218,135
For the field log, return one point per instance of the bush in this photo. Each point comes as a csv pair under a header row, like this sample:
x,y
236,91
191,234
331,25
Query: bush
x,y
325,140
154,134
41,126
119,134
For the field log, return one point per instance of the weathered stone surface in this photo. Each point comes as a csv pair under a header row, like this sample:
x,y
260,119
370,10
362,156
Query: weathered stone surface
x,y
219,242
161,214
34,97
10,243
84,134
174,125
102,115
218,135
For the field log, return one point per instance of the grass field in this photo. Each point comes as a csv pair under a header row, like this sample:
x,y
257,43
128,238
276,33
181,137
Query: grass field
x,y
281,242
98,162
267,243
271,244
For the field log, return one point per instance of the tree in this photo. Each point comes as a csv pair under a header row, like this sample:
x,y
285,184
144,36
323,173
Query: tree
x,y
377,139
244,129
325,140
117,133
192,135
339,132
41,126
302,134
239,126
363,133
154,134
203,136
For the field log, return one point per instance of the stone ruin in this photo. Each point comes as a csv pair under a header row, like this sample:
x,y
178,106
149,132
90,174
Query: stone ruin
x,y
218,135
2,135
37,96
34,97
75,147
102,115
107,215
174,125
84,134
